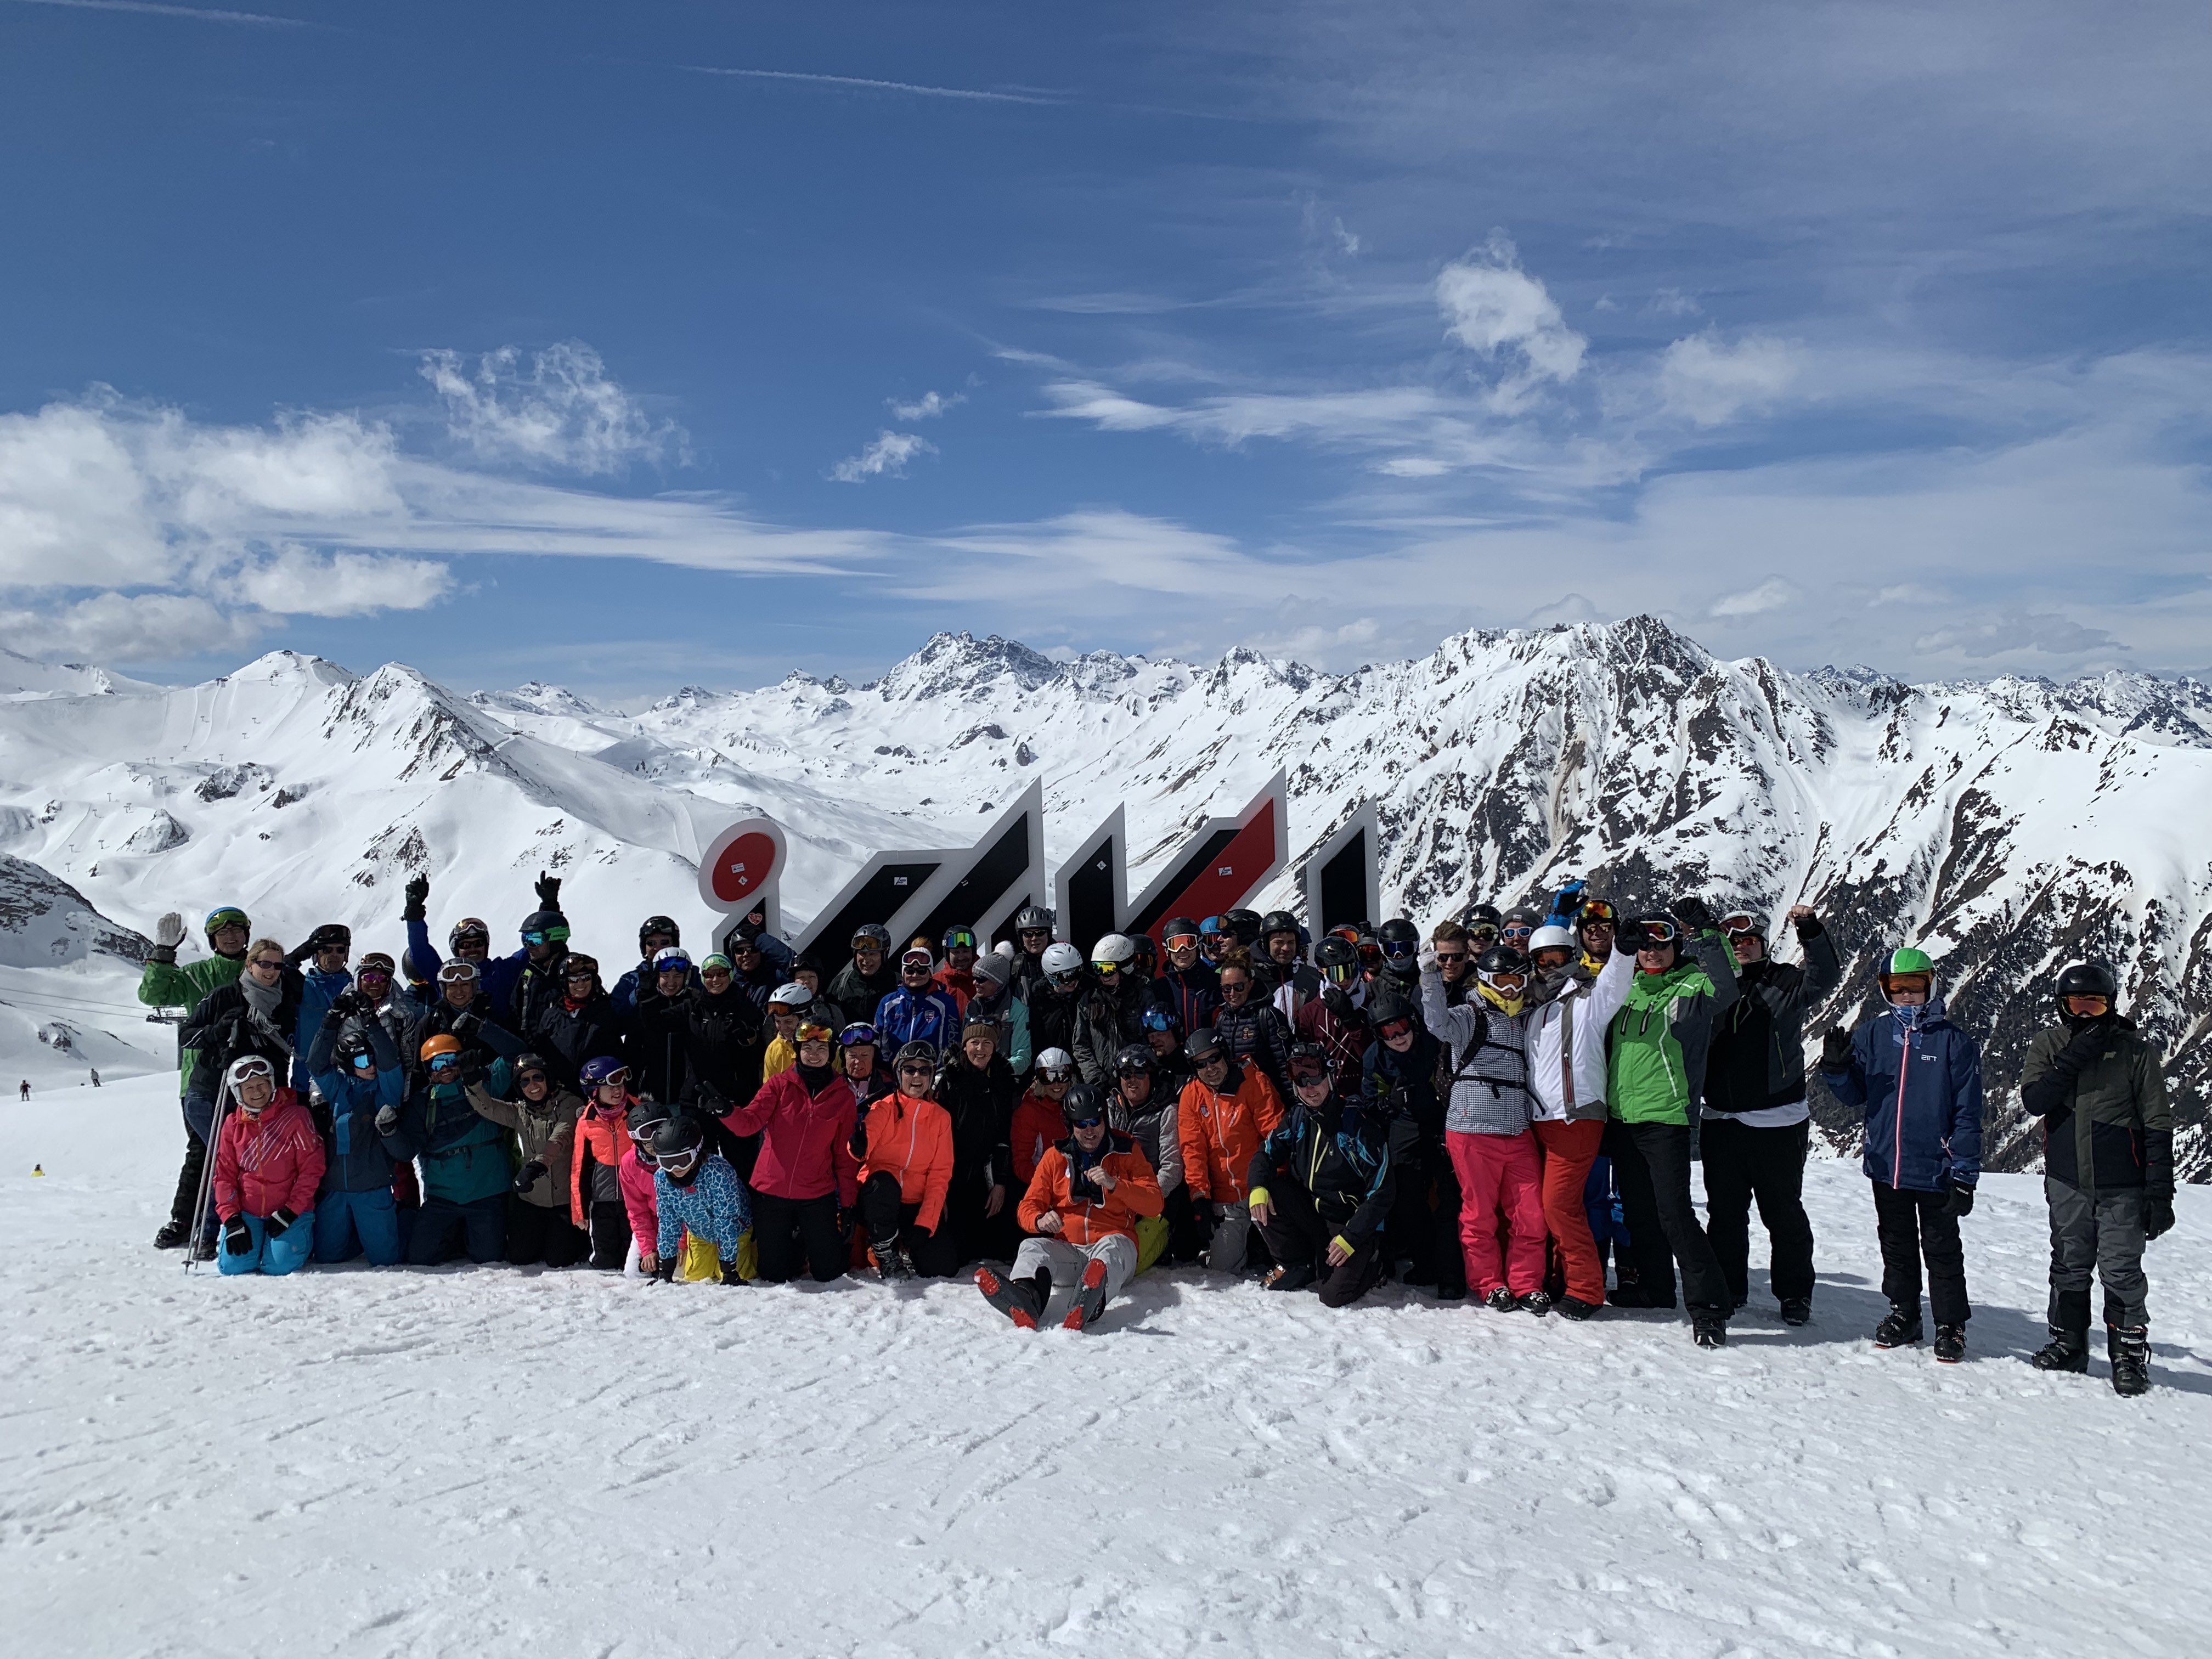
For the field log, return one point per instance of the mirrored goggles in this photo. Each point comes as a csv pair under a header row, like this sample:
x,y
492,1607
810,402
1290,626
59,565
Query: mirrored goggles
x,y
545,935
960,939
1055,1074
1481,934
1595,910
1394,1028
1342,972
1073,977
812,1031
2095,1005
1105,969
1398,949
445,1062
1661,932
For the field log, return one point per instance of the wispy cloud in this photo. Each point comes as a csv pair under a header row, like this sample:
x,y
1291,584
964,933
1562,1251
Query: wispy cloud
x,y
927,407
198,13
561,409
864,83
887,456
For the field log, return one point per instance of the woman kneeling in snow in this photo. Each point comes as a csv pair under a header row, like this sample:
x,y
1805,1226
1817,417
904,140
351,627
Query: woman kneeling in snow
x,y
268,1162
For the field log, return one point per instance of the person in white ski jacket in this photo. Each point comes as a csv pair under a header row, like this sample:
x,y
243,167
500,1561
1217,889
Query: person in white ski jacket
x,y
1566,1039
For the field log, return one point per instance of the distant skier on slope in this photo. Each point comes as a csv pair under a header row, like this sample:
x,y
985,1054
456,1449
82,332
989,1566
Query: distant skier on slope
x,y
2096,1082
1919,1079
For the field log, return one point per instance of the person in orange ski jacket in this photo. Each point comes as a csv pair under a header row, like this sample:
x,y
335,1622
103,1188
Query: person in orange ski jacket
x,y
1226,1112
904,1146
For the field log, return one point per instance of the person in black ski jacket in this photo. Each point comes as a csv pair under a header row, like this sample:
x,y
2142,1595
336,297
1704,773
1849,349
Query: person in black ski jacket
x,y
1251,1028
1756,1127
726,1039
459,1010
257,1013
581,1024
1110,1017
661,1030
2098,1084
978,1089
862,983
1322,1187
1188,986
1398,1085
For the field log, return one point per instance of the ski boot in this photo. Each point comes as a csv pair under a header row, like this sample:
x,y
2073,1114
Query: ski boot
x,y
2067,1351
1016,1298
893,1263
1090,1299
172,1236
1286,1277
1501,1300
2129,1348
1574,1308
1798,1311
1538,1303
1950,1344
1709,1330
1900,1330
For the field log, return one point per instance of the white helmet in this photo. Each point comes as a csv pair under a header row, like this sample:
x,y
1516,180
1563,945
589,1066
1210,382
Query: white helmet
x,y
793,996
1055,1060
1554,937
1062,958
1116,948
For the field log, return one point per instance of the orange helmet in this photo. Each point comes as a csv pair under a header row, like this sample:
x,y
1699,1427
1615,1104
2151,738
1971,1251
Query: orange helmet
x,y
444,1043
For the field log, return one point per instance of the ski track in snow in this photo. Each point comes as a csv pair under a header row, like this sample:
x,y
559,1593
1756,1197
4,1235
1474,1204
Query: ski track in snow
x,y
495,1461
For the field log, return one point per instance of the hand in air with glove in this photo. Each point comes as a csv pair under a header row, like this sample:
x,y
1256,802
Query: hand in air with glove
x,y
168,935
1835,1048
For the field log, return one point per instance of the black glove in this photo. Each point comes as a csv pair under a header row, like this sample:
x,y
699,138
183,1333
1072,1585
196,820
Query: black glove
x,y
166,954
549,891
666,1272
465,1024
474,1075
1957,1199
2085,1046
1692,912
527,1176
1631,936
861,1138
387,1119
1201,1210
237,1237
1808,927
279,1222
2158,1214
848,1216
418,896
1835,1048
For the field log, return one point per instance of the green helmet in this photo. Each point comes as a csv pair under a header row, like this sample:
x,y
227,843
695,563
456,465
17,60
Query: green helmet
x,y
1907,960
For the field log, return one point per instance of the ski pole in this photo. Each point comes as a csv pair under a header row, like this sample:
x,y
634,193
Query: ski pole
x,y
207,1174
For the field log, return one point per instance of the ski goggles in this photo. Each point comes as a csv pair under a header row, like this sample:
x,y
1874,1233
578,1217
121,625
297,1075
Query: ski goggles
x,y
375,965
582,971
1182,941
917,959
1398,949
1342,972
1659,931
814,1031
854,1036
1598,910
454,972
1105,969
250,1067
684,1159
1394,1028
960,939
672,962
640,1136
1133,1067
864,943
1211,946
467,928
1370,952
228,916
440,1063
1067,979
363,1060
1481,935
1510,983
1307,1069
555,935
1158,1019
1737,923
1056,1074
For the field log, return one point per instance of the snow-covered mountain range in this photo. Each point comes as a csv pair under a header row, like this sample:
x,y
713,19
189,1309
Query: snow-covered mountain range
x,y
2009,826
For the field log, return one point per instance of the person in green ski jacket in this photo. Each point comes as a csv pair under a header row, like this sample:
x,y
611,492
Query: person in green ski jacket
x,y
1655,1073
166,984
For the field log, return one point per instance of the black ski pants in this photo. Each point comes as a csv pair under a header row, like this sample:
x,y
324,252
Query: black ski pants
x,y
540,1232
1296,1233
1651,1161
611,1235
794,1232
1743,1163
1914,1226
2100,1232
935,1256
1424,1225
478,1227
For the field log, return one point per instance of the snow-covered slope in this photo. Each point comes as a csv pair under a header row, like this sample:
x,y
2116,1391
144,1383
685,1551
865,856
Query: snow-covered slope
x,y
498,1461
2010,826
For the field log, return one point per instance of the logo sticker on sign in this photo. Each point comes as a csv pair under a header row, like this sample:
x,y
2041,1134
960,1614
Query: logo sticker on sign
x,y
740,870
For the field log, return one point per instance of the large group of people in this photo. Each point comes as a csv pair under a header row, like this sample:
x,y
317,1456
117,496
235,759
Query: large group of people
x,y
1506,1109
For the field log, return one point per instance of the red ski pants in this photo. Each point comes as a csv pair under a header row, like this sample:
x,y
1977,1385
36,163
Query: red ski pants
x,y
1500,1175
1570,1149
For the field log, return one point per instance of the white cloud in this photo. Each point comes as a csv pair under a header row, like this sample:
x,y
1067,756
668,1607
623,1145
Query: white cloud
x,y
1490,306
888,455
120,627
927,407
73,508
1672,302
297,582
1708,381
1772,594
562,412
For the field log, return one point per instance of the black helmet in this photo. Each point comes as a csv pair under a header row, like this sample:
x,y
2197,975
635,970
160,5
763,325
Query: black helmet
x,y
875,933
652,925
646,1121
1398,931
1387,1006
1501,959
1032,917
1081,1103
2090,979
551,923
1308,1060
677,1136
1175,926
1277,922
917,1054
1486,914
1137,1057
1335,952
1244,924
1201,1042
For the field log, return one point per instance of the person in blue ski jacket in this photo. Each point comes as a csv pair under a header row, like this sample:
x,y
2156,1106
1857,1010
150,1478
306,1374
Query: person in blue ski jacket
x,y
1918,1078
696,1191
918,1009
355,1067
464,1165
323,981
497,977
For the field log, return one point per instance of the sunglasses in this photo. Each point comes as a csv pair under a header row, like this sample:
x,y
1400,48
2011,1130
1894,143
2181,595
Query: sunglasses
x,y
584,978
1207,1062
1515,931
1088,1123
711,975
1055,1074
268,962
1182,942
1394,1028
545,935
529,1077
1036,932
915,1069
1451,956
1229,985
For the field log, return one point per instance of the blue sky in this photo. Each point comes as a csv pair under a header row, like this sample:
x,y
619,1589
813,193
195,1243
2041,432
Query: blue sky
x,y
633,346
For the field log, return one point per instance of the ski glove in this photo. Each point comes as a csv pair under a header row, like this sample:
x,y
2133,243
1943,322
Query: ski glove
x,y
1835,1048
1566,902
418,897
666,1272
279,1222
549,891
1957,1201
1693,913
1427,960
527,1176
237,1237
2158,1216
387,1120
465,1024
169,932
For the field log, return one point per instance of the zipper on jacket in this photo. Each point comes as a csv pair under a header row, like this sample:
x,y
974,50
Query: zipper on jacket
x,y
1896,1149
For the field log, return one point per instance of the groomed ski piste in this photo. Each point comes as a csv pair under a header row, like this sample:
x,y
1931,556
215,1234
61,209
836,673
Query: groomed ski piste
x,y
491,1461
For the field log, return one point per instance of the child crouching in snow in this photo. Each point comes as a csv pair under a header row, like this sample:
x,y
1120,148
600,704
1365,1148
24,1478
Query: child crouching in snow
x,y
268,1162
695,1191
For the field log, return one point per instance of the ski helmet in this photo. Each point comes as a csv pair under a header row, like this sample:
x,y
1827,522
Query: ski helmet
x,y
1483,915
1176,927
1033,919
652,925
228,916
1745,921
545,928
603,1070
1309,1061
859,1034
2090,979
917,1054
1137,1057
679,1140
526,1064
1336,959
1062,959
1081,1103
958,938
1243,924
1203,1042
791,996
1386,1006
873,934
374,963
1277,921
1056,1063
444,1043
1113,953
1501,961
1552,938
645,1121
672,962
1399,939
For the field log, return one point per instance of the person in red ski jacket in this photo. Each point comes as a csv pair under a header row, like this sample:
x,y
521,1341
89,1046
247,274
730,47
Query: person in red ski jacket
x,y
268,1163
806,1180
